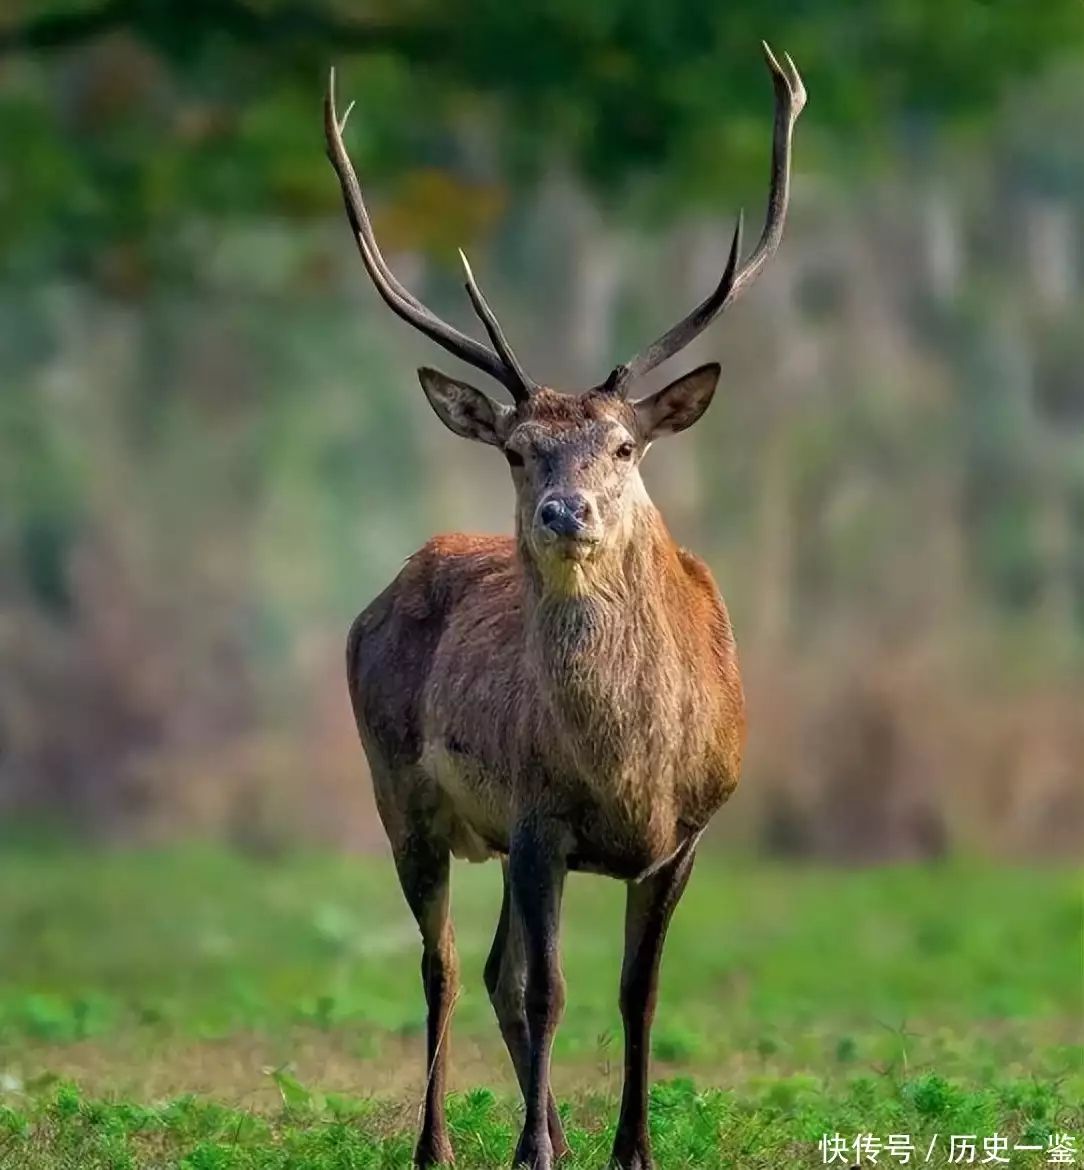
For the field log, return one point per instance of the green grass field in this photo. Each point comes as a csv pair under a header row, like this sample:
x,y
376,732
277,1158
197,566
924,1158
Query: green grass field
x,y
194,1009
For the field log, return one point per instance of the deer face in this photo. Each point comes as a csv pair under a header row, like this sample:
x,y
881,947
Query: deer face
x,y
574,460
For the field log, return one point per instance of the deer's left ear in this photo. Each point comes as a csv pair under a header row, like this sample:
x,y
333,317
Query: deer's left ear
x,y
679,405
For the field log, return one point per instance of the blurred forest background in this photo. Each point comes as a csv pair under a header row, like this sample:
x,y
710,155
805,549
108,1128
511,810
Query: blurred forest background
x,y
214,451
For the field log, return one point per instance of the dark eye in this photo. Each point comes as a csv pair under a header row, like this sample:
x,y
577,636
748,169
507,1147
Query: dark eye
x,y
624,451
515,459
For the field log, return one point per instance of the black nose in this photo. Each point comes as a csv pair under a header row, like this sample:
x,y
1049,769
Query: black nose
x,y
565,515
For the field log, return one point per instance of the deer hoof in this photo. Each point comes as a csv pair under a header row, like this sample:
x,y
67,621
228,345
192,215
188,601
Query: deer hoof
x,y
534,1151
636,1157
434,1150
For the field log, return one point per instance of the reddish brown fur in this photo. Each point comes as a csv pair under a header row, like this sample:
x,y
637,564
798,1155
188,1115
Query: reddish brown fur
x,y
639,690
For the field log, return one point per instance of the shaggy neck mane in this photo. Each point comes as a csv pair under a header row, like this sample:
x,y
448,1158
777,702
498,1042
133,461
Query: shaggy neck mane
x,y
602,642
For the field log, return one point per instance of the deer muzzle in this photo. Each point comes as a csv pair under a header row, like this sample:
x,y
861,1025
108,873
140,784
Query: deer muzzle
x,y
568,525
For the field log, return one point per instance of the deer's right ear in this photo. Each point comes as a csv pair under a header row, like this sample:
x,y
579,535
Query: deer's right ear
x,y
464,409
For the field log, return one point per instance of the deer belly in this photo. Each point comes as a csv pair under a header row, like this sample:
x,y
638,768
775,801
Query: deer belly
x,y
615,832
616,852
472,809
629,832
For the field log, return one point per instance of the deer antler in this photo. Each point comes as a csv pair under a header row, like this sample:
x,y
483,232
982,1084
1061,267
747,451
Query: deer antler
x,y
502,364
790,98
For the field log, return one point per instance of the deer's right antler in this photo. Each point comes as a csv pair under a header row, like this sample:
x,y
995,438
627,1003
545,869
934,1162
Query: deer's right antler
x,y
501,364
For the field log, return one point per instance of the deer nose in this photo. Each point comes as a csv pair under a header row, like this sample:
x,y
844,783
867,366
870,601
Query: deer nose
x,y
566,515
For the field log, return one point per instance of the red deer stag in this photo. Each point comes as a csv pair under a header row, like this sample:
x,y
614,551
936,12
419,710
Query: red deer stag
x,y
564,699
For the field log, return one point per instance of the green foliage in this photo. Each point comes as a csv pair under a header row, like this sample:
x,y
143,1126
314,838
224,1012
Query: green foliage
x,y
193,943
784,997
211,109
295,1097
691,1126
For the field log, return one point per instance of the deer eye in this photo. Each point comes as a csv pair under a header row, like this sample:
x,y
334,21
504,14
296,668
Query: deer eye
x,y
624,451
515,459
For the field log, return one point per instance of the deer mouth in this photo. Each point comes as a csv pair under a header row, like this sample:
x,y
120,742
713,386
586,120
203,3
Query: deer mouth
x,y
576,548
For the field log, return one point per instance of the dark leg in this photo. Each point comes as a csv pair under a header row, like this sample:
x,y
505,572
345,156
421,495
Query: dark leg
x,y
647,915
536,874
423,872
506,981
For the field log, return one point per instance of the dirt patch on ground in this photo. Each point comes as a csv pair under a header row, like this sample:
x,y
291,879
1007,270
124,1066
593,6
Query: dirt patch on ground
x,y
235,1071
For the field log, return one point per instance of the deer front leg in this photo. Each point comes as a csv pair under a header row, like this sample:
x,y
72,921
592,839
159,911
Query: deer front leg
x,y
506,982
648,908
536,872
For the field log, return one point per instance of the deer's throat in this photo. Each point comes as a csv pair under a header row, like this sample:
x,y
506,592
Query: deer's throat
x,y
600,637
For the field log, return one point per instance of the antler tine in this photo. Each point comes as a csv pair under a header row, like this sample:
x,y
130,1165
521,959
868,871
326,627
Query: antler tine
x,y
493,328
790,98
402,302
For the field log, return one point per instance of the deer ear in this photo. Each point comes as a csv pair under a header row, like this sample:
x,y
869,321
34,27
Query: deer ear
x,y
679,405
463,409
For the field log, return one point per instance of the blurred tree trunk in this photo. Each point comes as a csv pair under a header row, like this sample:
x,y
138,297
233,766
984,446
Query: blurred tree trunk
x,y
942,241
1051,258
1051,248
775,561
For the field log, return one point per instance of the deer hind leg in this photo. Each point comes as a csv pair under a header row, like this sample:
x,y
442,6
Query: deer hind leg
x,y
423,866
649,906
506,982
537,865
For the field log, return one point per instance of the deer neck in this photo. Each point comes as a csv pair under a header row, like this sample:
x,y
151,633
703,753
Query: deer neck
x,y
599,635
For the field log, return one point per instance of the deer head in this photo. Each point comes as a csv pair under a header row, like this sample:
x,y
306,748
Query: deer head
x,y
574,458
